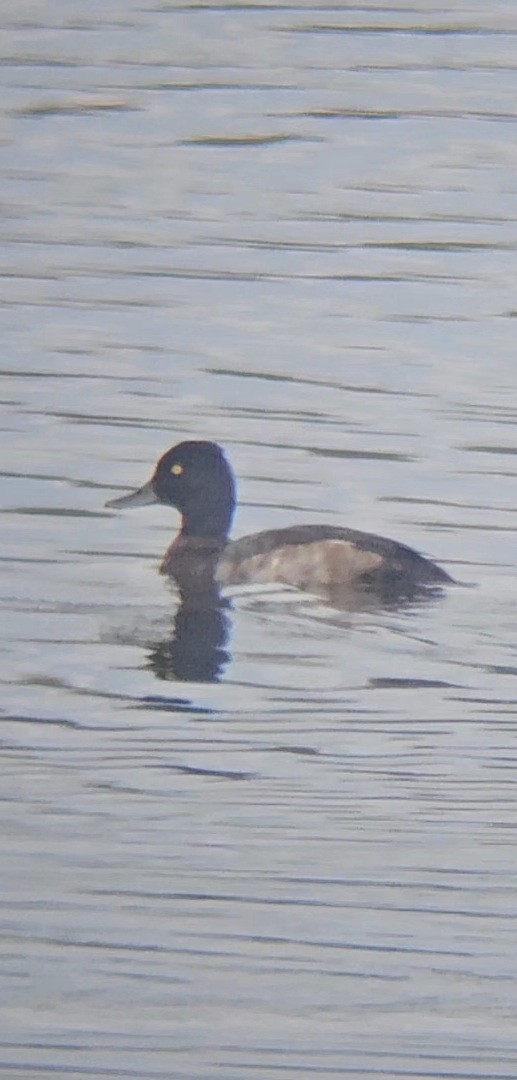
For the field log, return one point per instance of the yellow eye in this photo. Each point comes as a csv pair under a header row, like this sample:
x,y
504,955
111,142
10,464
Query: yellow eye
x,y
177,469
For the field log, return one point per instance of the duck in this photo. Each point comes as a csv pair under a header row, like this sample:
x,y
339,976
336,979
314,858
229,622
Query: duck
x,y
196,478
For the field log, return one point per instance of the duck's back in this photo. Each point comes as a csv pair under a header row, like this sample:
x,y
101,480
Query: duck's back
x,y
315,556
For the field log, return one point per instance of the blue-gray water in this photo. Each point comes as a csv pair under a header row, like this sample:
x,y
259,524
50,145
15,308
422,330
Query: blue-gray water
x,y
291,229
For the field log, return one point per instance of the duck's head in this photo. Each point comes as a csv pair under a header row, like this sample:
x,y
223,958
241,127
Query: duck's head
x,y
197,480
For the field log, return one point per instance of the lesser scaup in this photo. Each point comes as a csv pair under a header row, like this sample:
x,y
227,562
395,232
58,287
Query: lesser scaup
x,y
197,479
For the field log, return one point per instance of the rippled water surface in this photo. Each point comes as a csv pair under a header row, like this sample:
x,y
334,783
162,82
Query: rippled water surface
x,y
291,229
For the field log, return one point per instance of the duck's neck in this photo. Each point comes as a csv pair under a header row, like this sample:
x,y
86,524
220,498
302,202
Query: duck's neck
x,y
212,518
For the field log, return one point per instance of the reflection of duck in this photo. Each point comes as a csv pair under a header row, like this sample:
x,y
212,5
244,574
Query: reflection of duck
x,y
196,478
197,650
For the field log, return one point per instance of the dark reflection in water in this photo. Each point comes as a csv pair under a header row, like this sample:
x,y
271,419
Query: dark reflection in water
x,y
391,594
196,650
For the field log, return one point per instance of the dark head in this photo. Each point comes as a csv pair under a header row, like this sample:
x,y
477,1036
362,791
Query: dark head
x,y
197,480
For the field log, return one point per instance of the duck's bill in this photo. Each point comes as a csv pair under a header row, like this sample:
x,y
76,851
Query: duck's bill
x,y
143,497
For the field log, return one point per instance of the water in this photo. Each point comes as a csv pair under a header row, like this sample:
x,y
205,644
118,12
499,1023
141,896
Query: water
x,y
291,229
